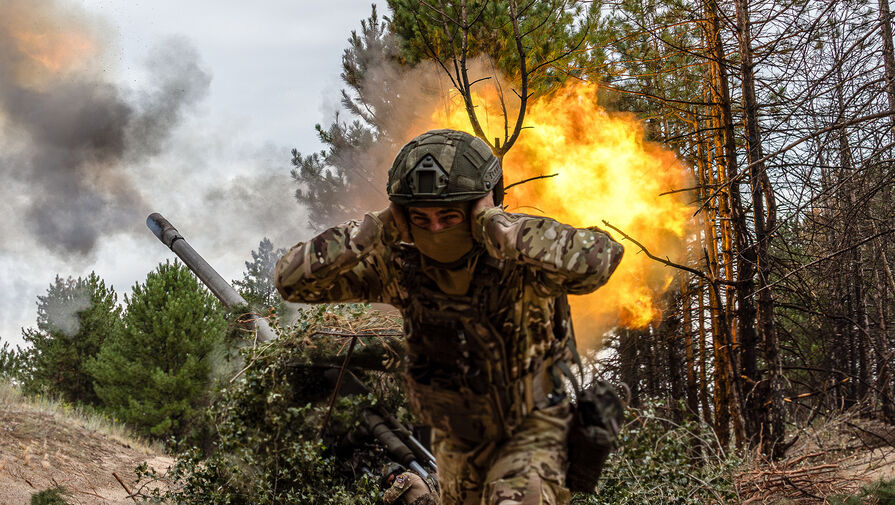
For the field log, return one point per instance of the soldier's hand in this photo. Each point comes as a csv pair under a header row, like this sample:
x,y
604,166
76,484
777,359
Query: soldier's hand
x,y
481,205
399,216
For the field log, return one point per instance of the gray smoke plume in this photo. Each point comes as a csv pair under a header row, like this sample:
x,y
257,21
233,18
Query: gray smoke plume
x,y
76,131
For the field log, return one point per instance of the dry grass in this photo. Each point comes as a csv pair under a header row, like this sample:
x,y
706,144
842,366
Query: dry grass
x,y
12,398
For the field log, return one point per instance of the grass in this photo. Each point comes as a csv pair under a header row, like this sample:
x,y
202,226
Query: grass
x,y
11,397
881,492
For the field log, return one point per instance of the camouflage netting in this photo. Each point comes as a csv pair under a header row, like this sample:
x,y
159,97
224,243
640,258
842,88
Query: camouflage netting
x,y
268,419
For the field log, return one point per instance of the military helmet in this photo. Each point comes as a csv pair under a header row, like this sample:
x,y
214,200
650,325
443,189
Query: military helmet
x,y
444,166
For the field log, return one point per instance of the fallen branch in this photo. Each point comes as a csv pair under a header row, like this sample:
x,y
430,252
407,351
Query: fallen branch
x,y
128,491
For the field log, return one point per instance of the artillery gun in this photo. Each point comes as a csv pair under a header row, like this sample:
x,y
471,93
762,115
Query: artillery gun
x,y
394,436
222,289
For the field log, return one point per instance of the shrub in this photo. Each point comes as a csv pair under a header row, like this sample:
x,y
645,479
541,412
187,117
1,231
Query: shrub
x,y
53,496
267,447
881,492
659,461
12,362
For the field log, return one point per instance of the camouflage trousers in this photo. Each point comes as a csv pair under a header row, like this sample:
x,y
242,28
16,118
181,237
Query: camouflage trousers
x,y
528,468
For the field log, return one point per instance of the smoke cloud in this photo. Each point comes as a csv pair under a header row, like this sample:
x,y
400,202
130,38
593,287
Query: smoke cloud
x,y
71,133
402,103
62,312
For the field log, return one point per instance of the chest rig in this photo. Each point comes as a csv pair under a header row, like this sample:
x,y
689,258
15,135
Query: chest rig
x,y
469,366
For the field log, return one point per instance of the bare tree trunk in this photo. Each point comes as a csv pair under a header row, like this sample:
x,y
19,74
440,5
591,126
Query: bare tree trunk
x,y
689,355
728,383
629,364
772,428
888,55
883,353
703,357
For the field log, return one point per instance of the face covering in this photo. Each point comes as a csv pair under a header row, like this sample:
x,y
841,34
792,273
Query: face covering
x,y
445,246
452,281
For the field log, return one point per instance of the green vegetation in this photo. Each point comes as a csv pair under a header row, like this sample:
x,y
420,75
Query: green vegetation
x,y
267,447
661,461
550,30
257,284
154,374
52,496
74,320
881,492
12,362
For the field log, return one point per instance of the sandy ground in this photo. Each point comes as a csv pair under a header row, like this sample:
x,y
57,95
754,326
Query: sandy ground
x,y
40,450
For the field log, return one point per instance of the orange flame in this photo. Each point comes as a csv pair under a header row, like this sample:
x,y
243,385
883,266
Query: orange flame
x,y
49,42
606,171
56,52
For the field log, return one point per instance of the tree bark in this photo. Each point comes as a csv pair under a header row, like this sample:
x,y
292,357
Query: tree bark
x,y
771,428
888,55
727,383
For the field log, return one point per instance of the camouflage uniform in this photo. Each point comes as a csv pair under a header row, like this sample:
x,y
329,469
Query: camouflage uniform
x,y
409,489
479,366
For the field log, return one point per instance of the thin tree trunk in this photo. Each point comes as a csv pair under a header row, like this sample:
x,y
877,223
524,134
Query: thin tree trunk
x,y
772,428
728,383
707,416
888,55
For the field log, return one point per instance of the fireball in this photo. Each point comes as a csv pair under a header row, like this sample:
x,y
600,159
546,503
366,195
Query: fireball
x,y
605,170
44,44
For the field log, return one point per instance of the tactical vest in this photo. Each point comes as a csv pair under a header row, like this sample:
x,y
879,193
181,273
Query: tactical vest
x,y
466,370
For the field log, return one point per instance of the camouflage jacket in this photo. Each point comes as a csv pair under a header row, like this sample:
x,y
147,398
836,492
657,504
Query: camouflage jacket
x,y
476,364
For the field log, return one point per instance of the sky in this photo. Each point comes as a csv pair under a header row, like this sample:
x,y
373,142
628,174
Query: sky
x,y
249,83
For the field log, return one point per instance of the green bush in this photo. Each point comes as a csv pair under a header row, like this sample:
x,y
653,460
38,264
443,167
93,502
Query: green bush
x,y
267,447
53,496
662,462
12,362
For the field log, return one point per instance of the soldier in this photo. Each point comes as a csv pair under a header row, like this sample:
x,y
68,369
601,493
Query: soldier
x,y
486,319
406,488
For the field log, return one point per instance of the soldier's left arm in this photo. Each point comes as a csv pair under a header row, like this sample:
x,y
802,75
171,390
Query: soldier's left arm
x,y
574,260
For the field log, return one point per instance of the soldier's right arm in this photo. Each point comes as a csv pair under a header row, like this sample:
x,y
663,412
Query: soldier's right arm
x,y
401,485
346,263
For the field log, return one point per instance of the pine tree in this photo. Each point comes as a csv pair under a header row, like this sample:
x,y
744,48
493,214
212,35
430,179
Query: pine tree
x,y
153,375
74,319
257,284
346,179
11,362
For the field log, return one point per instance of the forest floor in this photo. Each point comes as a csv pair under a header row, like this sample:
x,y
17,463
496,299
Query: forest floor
x,y
835,456
45,445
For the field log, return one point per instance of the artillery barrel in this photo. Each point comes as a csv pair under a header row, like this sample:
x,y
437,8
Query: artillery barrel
x,y
221,288
380,429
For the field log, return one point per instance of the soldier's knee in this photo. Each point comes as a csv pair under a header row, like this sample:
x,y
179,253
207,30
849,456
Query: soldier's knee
x,y
525,489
